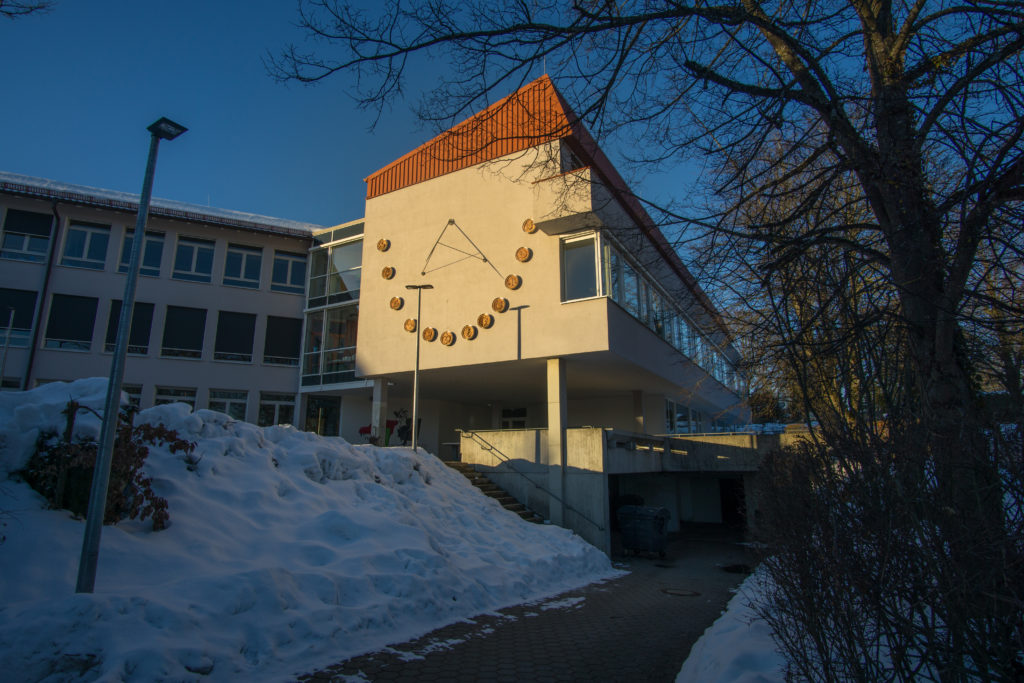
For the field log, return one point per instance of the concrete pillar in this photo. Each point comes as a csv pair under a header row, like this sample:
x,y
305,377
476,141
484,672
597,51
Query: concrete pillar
x,y
379,409
557,455
638,412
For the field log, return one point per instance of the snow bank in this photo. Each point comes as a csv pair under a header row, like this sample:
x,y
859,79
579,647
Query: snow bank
x,y
737,648
286,551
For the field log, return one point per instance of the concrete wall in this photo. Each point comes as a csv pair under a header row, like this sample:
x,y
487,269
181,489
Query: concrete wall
x,y
489,203
517,461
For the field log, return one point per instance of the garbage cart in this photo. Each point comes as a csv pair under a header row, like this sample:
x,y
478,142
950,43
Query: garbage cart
x,y
644,528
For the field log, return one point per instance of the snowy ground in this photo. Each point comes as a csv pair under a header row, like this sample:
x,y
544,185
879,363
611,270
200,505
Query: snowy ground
x,y
737,648
286,551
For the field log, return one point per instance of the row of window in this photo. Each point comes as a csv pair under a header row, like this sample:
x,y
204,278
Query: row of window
x,y
72,319
26,237
593,266
274,408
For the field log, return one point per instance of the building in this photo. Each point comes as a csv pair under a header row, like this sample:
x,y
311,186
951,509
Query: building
x,y
560,321
220,294
563,346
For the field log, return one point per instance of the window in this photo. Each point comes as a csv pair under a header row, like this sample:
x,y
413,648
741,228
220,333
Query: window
x,y
134,392
330,345
175,395
234,336
335,273
282,341
26,235
276,409
71,321
579,268
289,273
242,266
229,402
193,260
138,335
152,253
17,307
513,418
183,332
86,246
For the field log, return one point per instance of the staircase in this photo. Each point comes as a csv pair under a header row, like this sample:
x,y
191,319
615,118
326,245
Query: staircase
x,y
491,489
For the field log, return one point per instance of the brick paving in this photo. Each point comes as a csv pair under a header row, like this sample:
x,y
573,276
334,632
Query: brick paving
x,y
639,627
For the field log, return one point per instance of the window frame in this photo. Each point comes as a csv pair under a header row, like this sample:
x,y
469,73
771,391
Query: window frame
x,y
242,278
290,261
275,401
135,332
79,306
92,232
277,359
227,323
231,399
163,395
21,313
198,245
175,352
150,238
27,232
563,247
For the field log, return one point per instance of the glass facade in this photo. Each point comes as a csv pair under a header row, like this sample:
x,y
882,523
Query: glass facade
x,y
332,312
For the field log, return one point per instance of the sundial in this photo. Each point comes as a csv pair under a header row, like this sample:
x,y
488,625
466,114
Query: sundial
x,y
452,248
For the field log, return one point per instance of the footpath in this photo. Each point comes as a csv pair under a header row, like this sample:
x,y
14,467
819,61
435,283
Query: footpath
x,y
639,627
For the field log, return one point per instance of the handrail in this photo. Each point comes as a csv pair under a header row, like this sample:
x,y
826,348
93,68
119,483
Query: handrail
x,y
488,446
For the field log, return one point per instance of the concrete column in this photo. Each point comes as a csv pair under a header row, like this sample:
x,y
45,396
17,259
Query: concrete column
x,y
638,412
379,408
557,454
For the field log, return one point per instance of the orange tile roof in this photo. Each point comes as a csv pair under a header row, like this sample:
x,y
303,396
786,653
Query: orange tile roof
x,y
532,115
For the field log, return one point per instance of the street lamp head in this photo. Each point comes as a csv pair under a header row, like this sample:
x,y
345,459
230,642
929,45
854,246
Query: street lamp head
x,y
419,286
166,129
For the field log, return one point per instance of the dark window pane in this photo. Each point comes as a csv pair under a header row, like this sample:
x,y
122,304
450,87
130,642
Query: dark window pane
x,y
153,250
98,247
252,267
282,341
204,261
319,262
298,273
23,302
28,222
142,322
233,265
183,332
75,244
71,321
234,336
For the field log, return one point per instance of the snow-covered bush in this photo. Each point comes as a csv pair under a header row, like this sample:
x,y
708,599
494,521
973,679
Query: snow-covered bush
x,y
61,468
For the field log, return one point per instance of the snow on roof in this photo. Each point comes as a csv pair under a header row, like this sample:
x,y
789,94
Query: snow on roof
x,y
165,208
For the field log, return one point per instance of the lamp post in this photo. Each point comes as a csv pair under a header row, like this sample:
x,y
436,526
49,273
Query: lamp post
x,y
416,369
163,129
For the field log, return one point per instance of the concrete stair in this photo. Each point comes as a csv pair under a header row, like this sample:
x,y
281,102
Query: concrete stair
x,y
489,488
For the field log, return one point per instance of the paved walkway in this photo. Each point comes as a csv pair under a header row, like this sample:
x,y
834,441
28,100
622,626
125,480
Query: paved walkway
x,y
639,627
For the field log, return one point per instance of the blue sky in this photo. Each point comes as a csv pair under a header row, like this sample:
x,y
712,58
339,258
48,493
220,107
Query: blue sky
x,y
81,83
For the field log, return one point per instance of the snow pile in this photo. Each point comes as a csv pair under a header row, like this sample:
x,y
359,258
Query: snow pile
x,y
286,552
738,647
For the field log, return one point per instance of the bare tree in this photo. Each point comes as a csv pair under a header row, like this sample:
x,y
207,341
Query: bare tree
x,y
12,9
864,202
